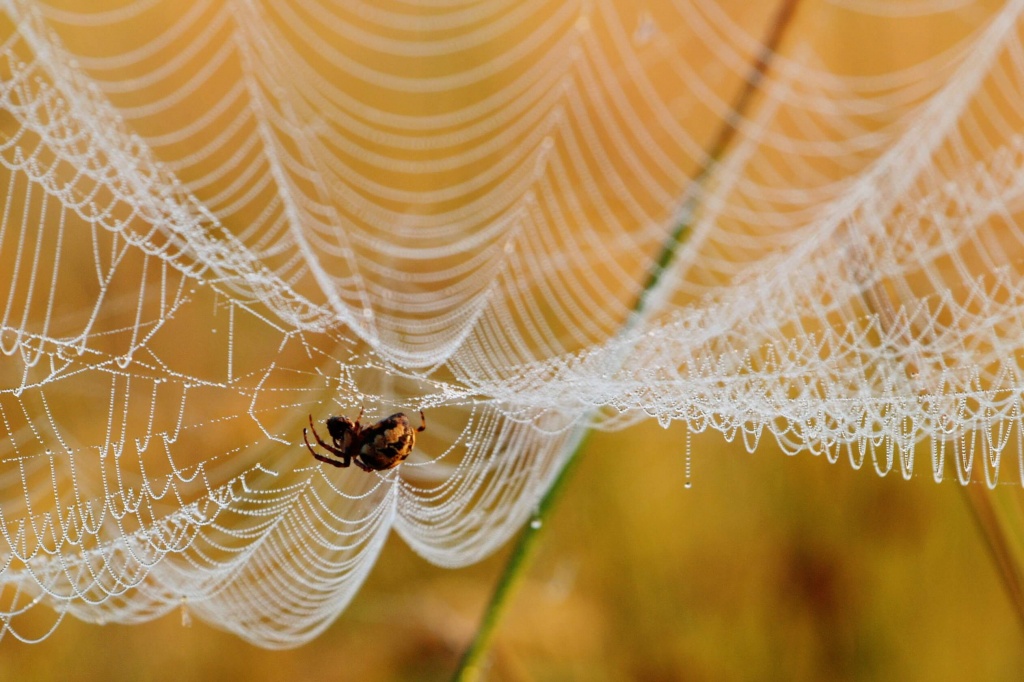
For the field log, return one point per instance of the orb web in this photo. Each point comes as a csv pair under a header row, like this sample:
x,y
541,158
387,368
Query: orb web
x,y
223,219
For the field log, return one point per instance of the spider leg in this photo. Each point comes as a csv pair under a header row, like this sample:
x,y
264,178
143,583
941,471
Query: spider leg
x,y
320,457
330,448
345,459
423,426
308,446
328,460
359,463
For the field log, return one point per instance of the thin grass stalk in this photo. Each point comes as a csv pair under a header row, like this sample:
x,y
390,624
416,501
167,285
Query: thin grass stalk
x,y
1000,519
471,665
998,513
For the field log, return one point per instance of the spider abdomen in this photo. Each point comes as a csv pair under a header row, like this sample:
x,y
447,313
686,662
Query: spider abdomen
x,y
387,443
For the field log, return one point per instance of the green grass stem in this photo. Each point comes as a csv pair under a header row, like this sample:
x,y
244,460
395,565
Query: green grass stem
x,y
471,666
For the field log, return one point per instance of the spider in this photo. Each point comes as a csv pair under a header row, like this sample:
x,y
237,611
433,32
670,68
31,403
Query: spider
x,y
382,446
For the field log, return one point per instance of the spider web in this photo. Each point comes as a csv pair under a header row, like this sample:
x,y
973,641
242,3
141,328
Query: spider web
x,y
221,217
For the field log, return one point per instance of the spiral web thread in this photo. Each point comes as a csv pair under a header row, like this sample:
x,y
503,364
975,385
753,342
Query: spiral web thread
x,y
221,217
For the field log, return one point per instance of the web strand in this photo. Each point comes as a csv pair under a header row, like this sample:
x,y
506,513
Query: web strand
x,y
220,220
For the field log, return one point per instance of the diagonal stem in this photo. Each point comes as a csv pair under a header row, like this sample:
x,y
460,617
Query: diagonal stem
x,y
998,516
470,666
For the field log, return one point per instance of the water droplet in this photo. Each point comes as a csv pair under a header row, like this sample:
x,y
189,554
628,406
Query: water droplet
x,y
186,617
689,459
536,523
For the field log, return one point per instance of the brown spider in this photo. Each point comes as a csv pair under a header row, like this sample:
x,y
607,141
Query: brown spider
x,y
382,446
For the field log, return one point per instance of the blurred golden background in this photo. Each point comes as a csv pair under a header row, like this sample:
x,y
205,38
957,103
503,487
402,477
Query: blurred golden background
x,y
769,567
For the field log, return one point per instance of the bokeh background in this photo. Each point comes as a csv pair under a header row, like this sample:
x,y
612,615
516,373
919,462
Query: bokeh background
x,y
768,567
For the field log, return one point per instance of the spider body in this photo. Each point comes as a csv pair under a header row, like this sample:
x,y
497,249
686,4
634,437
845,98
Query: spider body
x,y
382,446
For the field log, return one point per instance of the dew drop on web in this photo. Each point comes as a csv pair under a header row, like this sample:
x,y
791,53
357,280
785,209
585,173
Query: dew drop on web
x,y
689,461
